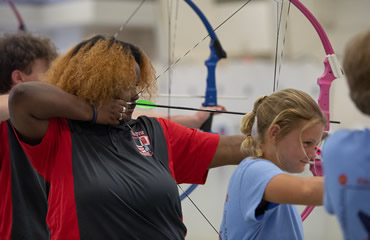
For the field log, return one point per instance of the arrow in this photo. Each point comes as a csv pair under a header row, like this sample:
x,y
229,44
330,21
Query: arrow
x,y
149,105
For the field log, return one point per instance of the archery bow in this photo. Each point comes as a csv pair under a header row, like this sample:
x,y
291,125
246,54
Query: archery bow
x,y
332,71
216,53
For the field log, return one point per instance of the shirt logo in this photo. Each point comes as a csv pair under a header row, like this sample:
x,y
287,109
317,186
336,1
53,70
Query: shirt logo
x,y
342,179
142,143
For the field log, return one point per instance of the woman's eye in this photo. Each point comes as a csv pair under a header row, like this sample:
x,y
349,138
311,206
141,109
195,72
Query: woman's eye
x,y
307,144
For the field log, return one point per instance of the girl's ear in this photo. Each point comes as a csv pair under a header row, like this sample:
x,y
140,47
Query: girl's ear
x,y
272,132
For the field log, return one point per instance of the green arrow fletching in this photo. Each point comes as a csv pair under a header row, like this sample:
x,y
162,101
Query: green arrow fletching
x,y
142,101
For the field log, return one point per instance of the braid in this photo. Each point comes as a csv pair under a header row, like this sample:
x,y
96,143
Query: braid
x,y
251,145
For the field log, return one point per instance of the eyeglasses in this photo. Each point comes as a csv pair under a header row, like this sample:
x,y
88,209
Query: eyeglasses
x,y
138,94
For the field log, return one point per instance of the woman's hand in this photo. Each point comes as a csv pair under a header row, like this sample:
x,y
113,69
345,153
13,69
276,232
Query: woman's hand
x,y
201,117
112,113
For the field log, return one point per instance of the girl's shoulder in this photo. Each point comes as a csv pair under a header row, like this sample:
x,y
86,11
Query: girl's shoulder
x,y
258,164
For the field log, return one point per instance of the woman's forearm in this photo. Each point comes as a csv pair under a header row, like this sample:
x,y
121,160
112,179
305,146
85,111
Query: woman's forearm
x,y
228,151
31,105
43,101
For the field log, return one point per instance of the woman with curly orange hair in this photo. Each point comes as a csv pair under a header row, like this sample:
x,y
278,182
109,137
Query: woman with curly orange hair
x,y
111,181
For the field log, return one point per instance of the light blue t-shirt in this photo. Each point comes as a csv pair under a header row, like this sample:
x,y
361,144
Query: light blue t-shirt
x,y
246,188
346,162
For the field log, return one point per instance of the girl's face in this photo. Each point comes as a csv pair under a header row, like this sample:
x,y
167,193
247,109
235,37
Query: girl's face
x,y
295,150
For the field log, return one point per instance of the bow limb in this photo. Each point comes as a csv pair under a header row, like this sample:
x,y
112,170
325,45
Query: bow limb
x,y
332,71
332,68
21,25
216,53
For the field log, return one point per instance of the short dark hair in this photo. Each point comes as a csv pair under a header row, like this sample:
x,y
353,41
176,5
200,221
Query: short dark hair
x,y
18,52
356,66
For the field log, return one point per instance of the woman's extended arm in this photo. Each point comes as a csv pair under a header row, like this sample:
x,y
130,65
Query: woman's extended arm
x,y
31,104
228,151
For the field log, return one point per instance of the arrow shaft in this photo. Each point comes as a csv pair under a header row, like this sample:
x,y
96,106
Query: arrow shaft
x,y
194,109
186,108
191,109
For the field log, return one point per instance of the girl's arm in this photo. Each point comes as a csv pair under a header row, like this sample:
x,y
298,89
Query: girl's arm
x,y
289,189
31,104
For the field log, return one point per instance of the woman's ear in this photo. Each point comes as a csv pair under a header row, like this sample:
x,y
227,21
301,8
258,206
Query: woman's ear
x,y
272,132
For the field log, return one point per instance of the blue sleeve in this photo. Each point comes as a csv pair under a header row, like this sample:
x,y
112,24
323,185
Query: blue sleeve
x,y
346,156
328,202
334,154
255,179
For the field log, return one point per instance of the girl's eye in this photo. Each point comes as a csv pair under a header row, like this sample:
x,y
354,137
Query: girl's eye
x,y
307,144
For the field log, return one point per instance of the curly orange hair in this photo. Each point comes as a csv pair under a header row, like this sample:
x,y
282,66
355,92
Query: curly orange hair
x,y
101,69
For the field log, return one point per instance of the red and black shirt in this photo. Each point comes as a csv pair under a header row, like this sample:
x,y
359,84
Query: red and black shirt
x,y
23,198
117,182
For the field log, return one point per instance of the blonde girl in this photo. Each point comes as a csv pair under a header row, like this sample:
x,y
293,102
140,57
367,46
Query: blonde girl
x,y
281,134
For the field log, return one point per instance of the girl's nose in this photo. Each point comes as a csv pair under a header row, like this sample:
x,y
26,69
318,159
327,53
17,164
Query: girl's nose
x,y
311,153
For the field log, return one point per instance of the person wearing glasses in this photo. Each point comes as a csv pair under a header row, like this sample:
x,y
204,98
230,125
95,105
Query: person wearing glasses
x,y
117,180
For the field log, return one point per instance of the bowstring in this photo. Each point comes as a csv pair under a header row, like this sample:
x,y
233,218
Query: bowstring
x,y
279,16
169,69
276,82
202,40
123,26
171,54
171,46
